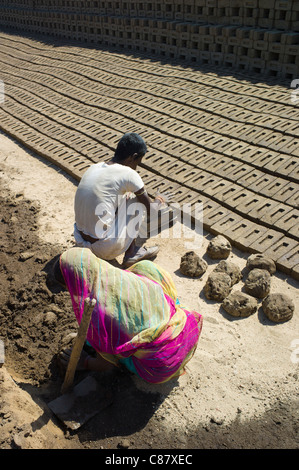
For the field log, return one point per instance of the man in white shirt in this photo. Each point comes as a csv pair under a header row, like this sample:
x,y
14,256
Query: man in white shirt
x,y
111,202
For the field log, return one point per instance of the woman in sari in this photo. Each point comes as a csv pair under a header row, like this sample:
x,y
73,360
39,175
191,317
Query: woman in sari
x,y
137,320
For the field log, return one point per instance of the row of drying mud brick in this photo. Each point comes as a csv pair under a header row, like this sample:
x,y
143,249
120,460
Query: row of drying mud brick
x,y
240,100
243,233
230,109
224,158
179,157
268,45
227,187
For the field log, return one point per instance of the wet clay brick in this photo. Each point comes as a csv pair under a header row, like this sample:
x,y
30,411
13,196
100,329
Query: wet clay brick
x,y
286,248
223,225
245,233
266,241
290,260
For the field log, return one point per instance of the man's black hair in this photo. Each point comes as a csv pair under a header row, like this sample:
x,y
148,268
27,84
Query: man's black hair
x,y
129,144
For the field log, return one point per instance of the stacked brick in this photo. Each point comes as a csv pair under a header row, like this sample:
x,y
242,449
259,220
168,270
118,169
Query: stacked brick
x,y
260,36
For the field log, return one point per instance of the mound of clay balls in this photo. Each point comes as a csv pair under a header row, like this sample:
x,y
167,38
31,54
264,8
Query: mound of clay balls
x,y
259,261
258,283
231,269
192,265
218,286
239,304
278,307
219,248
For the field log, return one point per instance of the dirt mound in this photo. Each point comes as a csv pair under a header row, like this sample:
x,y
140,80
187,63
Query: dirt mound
x,y
28,294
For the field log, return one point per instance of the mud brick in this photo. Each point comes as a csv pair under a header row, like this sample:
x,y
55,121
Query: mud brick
x,y
206,159
232,41
235,171
196,204
223,3
243,62
229,60
164,186
289,194
283,24
152,182
220,188
290,223
257,64
251,179
215,30
260,45
247,202
221,39
205,182
257,34
280,215
259,157
273,140
273,37
267,22
288,145
295,272
267,3
266,241
290,168
281,163
244,234
237,149
184,196
290,69
161,163
291,50
281,247
274,68
295,25
224,127
260,208
289,38
229,31
223,225
236,196
182,174
212,214
196,156
214,162
288,262
270,186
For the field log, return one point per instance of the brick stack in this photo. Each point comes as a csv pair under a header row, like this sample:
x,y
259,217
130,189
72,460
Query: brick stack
x,y
260,36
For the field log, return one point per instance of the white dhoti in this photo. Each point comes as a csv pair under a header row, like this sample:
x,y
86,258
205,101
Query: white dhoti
x,y
113,241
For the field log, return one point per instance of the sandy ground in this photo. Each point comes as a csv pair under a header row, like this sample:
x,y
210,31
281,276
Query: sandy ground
x,y
240,389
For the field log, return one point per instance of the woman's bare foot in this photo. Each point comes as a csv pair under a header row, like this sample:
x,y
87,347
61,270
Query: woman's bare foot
x,y
86,362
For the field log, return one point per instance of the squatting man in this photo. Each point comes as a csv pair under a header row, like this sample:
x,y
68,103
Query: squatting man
x,y
108,197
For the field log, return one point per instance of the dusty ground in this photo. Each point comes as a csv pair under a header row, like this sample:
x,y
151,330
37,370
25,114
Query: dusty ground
x,y
241,387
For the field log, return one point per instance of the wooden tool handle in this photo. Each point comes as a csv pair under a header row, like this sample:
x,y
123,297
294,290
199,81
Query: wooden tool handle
x,y
89,305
